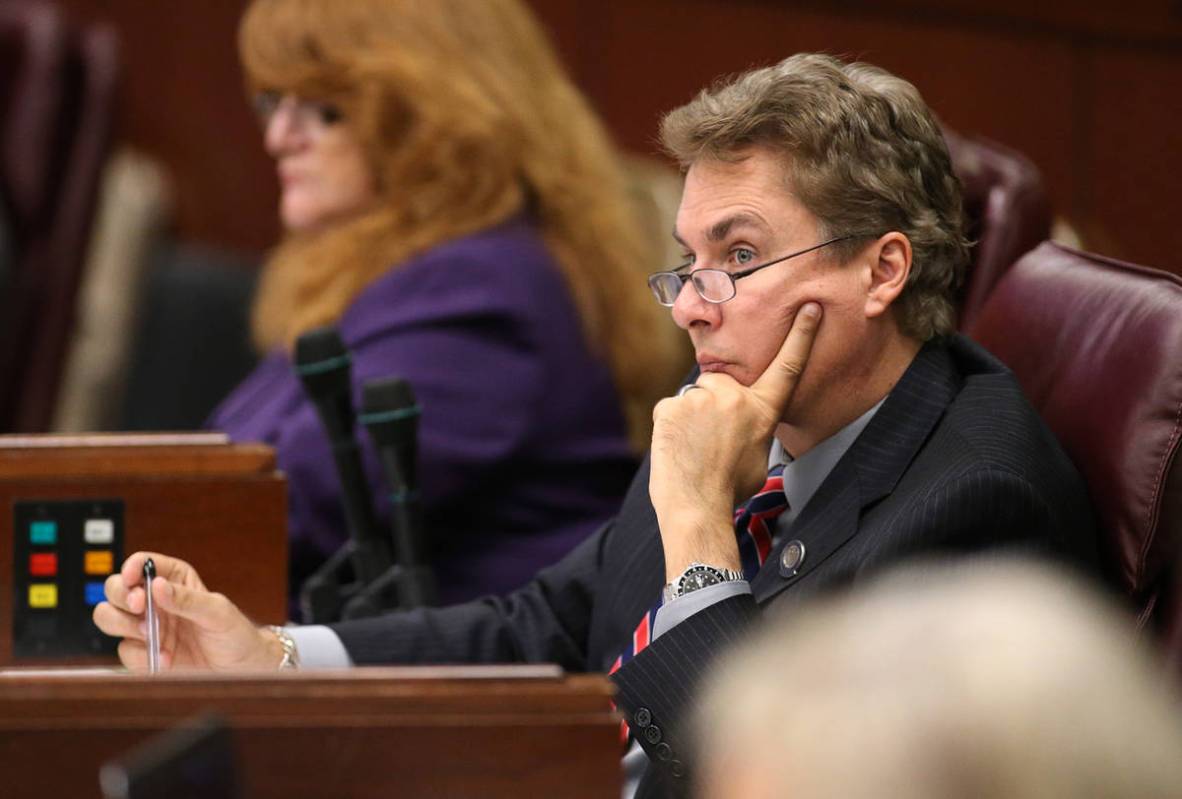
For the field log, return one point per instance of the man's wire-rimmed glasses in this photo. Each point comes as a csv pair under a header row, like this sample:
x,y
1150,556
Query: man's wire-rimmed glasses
x,y
718,285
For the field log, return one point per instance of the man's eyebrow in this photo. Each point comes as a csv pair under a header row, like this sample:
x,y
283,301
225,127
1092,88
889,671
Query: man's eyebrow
x,y
720,229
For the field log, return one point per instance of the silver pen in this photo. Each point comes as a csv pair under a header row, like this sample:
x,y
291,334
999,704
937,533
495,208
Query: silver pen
x,y
153,621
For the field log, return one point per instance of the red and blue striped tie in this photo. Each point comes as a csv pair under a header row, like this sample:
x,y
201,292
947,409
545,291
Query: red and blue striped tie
x,y
754,522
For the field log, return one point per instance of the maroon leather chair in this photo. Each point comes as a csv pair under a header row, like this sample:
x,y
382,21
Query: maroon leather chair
x,y
1007,211
57,93
1097,345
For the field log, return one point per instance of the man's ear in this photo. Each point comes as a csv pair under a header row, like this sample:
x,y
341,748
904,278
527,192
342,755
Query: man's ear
x,y
890,264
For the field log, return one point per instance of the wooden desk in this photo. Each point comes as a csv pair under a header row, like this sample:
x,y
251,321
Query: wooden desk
x,y
446,731
220,506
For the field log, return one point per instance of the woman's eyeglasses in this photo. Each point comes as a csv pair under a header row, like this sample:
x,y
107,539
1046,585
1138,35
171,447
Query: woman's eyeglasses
x,y
311,116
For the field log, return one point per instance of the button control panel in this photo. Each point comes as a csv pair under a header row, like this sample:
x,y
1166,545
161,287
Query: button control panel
x,y
64,551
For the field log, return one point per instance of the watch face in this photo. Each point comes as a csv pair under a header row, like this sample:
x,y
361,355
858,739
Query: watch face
x,y
698,577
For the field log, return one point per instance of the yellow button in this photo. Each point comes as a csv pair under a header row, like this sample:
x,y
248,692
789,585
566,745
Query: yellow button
x,y
43,595
99,561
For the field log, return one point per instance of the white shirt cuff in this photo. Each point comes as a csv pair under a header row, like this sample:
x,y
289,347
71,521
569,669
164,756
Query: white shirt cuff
x,y
319,647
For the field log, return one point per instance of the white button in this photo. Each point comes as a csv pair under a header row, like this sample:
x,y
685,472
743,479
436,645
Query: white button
x,y
99,531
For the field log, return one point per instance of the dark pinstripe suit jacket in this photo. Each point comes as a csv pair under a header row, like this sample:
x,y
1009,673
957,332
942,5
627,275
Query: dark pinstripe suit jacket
x,y
954,461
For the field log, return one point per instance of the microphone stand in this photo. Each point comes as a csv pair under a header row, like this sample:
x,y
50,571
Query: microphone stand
x,y
391,415
324,367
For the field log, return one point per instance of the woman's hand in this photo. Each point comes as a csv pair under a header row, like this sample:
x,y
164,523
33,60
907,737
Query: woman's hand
x,y
199,629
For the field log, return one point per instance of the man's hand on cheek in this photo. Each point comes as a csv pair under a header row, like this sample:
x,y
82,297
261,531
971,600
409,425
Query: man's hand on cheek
x,y
710,447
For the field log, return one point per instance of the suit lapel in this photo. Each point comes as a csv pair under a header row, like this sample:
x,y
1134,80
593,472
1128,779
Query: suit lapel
x,y
869,469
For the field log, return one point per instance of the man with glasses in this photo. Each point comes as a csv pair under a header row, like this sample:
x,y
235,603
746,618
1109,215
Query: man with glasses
x,y
836,424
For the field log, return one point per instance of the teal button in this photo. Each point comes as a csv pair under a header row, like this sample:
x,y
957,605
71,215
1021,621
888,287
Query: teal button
x,y
43,533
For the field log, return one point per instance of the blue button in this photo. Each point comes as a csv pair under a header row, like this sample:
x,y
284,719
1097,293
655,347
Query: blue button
x,y
94,593
43,533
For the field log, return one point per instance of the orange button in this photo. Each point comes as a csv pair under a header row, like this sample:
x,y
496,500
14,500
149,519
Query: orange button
x,y
43,564
99,561
42,595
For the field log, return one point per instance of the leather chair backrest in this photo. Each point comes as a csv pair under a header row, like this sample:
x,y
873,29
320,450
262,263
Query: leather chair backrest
x,y
1097,345
34,43
1006,210
56,112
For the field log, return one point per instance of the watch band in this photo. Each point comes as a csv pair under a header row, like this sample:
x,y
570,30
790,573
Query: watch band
x,y
680,586
291,654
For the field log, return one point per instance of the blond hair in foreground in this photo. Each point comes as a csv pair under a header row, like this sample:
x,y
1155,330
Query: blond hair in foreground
x,y
990,679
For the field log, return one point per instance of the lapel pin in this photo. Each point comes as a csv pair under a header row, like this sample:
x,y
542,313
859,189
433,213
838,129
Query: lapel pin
x,y
791,558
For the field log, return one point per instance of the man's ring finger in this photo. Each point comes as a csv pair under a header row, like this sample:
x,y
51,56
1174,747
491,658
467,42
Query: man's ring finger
x,y
681,392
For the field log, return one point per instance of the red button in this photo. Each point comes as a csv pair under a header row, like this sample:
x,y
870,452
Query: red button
x,y
43,564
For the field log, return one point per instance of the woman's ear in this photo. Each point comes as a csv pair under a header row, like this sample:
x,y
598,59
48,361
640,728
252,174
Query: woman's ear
x,y
890,264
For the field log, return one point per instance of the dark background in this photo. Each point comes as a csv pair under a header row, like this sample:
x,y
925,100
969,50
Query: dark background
x,y
1091,92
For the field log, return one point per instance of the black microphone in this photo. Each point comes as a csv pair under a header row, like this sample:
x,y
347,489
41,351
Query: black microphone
x,y
323,365
391,415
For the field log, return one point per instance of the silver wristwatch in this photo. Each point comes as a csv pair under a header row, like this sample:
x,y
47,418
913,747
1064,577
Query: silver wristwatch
x,y
697,576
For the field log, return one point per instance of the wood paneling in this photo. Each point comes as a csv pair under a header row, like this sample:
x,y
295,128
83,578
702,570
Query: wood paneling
x,y
976,82
183,103
1089,92
1134,22
1134,156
